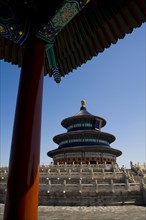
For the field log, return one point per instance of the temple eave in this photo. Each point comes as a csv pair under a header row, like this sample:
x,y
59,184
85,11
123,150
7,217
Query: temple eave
x,y
66,122
95,148
103,135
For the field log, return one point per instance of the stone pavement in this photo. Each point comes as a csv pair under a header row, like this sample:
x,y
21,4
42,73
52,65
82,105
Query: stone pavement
x,y
129,212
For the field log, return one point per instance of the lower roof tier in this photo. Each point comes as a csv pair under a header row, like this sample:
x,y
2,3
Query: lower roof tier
x,y
84,149
85,155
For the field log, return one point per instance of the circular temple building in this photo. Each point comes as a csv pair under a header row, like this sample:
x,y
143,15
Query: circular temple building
x,y
84,142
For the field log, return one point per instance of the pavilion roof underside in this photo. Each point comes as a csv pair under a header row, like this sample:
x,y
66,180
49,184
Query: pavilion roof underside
x,y
98,25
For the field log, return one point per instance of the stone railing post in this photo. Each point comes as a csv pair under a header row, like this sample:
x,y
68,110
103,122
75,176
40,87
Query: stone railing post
x,y
96,186
80,173
69,174
64,186
112,186
127,184
92,174
143,186
114,173
103,174
80,186
49,186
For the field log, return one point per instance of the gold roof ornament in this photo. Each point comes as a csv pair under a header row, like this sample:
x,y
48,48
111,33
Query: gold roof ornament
x,y
83,103
1,29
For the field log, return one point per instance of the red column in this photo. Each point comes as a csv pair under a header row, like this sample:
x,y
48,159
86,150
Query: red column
x,y
23,179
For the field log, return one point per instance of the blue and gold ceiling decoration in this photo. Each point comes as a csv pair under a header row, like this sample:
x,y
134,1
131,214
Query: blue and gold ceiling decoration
x,y
12,27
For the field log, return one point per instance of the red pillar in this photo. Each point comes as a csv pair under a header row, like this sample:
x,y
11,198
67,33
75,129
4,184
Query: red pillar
x,y
23,179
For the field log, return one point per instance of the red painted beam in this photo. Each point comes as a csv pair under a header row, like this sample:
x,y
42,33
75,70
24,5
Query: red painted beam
x,y
23,179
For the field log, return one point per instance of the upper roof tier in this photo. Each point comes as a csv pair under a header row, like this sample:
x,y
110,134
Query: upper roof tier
x,y
79,29
83,116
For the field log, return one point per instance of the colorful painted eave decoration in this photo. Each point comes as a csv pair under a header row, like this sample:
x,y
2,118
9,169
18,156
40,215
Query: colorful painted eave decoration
x,y
17,31
49,31
74,33
61,18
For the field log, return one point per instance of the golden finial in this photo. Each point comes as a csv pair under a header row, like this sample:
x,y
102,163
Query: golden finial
x,y
20,33
2,28
83,103
11,28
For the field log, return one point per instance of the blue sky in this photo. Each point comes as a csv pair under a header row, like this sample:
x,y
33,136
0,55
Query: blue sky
x,y
113,85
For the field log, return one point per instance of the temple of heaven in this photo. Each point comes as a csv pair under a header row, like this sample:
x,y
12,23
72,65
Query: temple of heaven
x,y
54,37
84,142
